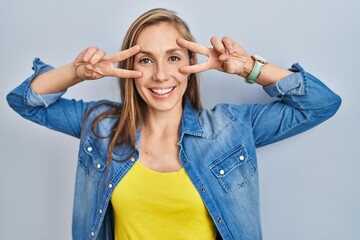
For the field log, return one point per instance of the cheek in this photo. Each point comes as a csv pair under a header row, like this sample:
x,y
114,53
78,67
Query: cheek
x,y
139,83
137,67
140,89
182,77
146,71
137,86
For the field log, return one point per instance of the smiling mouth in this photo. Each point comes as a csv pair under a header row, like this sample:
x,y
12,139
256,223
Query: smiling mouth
x,y
161,91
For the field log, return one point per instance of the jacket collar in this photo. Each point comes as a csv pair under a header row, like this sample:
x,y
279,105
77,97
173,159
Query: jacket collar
x,y
190,123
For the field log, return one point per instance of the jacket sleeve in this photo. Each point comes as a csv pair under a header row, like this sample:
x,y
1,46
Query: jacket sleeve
x,y
304,103
50,110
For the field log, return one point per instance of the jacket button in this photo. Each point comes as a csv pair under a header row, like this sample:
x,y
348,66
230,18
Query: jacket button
x,y
222,172
203,189
110,185
98,165
219,220
241,158
132,159
100,211
92,233
89,149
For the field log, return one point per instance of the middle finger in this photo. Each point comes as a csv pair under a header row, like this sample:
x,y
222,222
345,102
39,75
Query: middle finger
x,y
120,56
194,47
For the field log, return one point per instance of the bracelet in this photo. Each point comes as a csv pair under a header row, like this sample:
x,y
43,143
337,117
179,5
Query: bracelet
x,y
256,70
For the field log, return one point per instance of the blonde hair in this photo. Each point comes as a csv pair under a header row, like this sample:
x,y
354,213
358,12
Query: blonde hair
x,y
131,112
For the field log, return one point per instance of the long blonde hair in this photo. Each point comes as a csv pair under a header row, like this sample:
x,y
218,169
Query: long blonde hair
x,y
131,112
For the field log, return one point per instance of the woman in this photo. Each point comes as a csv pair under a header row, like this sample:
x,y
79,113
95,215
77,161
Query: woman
x,y
158,166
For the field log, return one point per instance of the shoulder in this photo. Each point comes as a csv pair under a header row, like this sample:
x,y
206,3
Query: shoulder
x,y
225,111
222,116
104,114
97,108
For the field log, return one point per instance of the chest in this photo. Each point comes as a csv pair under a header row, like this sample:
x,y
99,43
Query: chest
x,y
151,203
160,155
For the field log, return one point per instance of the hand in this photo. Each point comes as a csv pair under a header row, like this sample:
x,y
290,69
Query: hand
x,y
92,63
226,56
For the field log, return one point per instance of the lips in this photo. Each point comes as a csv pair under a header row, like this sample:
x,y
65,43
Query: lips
x,y
162,91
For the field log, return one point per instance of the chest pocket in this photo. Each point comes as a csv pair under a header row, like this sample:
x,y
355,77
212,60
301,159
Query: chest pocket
x,y
92,160
234,169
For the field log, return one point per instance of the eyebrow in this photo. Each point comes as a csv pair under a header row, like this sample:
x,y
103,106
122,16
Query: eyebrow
x,y
172,50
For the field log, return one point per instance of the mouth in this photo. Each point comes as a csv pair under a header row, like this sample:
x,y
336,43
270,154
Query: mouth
x,y
161,92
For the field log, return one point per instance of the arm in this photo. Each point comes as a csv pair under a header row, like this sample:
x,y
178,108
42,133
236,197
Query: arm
x,y
304,100
228,56
90,64
38,98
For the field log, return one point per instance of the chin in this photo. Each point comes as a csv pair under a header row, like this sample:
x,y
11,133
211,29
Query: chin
x,y
166,107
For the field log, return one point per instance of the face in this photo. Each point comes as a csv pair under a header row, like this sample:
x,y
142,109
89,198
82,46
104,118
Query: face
x,y
161,86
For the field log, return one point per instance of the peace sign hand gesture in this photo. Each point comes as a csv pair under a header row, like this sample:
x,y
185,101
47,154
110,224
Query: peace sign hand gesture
x,y
92,63
226,56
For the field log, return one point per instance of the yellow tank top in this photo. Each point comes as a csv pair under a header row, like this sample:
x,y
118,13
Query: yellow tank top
x,y
153,205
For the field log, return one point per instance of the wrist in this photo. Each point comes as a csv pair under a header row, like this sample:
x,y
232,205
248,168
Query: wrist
x,y
248,66
258,64
73,73
271,74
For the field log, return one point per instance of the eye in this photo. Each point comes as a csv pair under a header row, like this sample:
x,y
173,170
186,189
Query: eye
x,y
145,61
174,59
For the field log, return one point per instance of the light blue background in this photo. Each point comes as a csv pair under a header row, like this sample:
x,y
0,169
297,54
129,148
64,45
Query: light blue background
x,y
310,184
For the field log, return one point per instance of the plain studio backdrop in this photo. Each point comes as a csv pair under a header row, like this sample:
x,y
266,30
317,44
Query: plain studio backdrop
x,y
310,184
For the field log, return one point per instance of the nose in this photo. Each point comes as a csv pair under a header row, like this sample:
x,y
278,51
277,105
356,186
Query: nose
x,y
161,72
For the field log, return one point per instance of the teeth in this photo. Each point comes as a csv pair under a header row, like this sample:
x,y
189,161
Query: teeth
x,y
162,91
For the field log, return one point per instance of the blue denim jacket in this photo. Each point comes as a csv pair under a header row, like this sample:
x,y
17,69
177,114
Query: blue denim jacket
x,y
217,149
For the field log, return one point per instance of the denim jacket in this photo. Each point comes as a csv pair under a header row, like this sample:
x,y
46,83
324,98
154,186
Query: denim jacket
x,y
217,149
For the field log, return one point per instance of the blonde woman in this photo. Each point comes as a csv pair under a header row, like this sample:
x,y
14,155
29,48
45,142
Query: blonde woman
x,y
157,165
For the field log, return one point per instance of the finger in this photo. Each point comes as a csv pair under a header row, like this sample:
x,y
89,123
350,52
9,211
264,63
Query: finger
x,y
230,45
217,44
224,57
89,52
193,47
120,56
233,47
123,73
86,71
97,56
197,68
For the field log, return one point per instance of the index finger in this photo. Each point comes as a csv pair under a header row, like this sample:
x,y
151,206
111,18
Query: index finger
x,y
194,47
197,68
124,73
118,57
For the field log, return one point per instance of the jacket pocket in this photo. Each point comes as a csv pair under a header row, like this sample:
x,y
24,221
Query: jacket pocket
x,y
92,160
234,169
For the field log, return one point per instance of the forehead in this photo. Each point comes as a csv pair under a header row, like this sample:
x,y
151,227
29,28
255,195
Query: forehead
x,y
158,37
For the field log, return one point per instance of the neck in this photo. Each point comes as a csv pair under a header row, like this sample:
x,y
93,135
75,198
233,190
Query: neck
x,y
159,139
162,124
